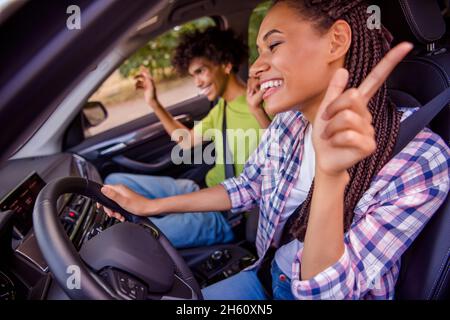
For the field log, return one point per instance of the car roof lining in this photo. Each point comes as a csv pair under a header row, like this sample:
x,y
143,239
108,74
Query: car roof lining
x,y
182,11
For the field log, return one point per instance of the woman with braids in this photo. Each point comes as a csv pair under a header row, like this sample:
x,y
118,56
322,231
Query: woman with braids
x,y
326,161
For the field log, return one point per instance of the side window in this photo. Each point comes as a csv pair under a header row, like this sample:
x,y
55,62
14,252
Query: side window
x,y
123,103
255,21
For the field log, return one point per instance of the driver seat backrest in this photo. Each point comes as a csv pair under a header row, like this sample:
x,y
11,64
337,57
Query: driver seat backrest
x,y
425,270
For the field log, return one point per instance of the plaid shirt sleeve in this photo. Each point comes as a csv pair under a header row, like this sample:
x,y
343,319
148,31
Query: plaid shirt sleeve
x,y
245,191
418,183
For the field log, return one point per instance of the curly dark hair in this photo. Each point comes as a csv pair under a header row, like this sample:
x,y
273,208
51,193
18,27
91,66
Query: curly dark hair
x,y
216,45
367,49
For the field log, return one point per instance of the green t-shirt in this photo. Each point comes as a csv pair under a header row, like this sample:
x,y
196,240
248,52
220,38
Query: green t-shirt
x,y
243,136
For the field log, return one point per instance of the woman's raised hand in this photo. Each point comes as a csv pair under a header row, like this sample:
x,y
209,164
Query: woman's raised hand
x,y
343,133
254,95
127,199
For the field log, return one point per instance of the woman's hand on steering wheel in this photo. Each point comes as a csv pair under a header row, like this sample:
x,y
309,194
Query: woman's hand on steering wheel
x,y
128,200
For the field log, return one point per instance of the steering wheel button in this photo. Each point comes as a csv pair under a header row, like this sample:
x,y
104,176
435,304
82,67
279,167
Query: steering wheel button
x,y
131,284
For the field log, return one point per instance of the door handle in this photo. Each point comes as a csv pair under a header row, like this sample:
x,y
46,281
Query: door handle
x,y
148,168
113,149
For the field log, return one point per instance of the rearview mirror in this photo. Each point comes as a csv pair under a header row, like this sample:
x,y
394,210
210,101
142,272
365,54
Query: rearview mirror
x,y
94,113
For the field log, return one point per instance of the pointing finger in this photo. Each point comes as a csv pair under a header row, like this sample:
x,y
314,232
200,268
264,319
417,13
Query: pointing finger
x,y
382,70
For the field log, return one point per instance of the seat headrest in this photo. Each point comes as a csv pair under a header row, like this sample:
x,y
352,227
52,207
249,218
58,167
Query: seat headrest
x,y
413,20
424,19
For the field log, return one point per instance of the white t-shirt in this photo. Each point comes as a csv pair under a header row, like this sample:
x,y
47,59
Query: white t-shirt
x,y
285,255
300,190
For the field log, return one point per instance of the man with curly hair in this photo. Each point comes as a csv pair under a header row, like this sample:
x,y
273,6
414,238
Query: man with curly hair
x,y
212,58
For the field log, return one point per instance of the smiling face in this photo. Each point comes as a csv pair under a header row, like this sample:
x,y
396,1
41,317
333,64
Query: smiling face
x,y
294,66
209,77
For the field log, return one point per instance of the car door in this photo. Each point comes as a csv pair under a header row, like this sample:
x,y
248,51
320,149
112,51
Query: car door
x,y
131,138
142,145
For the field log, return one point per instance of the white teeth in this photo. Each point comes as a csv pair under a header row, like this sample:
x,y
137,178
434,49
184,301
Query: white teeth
x,y
271,84
204,91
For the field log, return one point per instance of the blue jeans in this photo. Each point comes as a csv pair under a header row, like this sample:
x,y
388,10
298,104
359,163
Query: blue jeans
x,y
184,230
246,286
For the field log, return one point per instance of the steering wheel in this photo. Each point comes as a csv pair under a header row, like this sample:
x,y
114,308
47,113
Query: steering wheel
x,y
130,260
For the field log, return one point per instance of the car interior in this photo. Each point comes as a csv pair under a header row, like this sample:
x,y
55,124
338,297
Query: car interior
x,y
51,173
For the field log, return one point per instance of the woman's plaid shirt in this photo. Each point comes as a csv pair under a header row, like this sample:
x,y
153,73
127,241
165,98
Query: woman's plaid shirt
x,y
400,201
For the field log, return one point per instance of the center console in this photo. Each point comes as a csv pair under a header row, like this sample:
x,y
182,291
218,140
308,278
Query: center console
x,y
212,264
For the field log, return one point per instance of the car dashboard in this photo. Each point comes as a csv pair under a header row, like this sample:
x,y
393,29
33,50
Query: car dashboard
x,y
24,272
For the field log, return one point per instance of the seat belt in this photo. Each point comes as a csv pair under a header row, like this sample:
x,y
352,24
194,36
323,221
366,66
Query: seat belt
x,y
228,157
415,123
409,128
233,219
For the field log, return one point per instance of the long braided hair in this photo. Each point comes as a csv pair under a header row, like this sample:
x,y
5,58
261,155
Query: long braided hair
x,y
367,49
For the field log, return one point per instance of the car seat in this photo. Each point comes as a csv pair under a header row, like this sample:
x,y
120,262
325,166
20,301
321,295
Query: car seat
x,y
425,269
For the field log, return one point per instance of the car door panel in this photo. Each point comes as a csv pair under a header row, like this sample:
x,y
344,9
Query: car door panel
x,y
142,145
